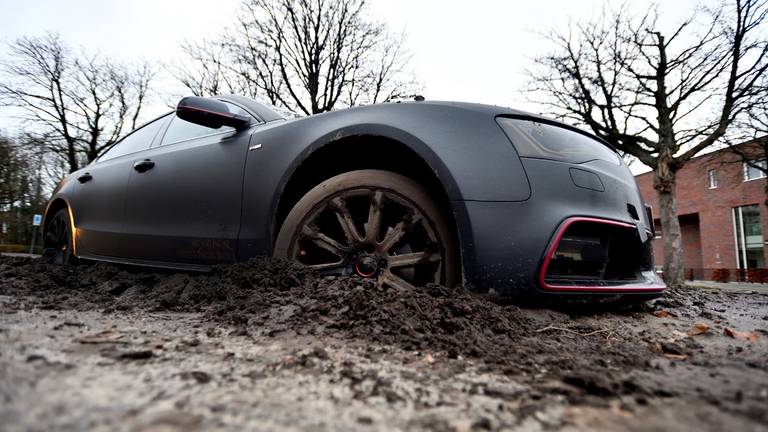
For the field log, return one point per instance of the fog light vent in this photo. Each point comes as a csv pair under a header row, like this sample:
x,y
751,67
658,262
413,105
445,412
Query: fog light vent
x,y
594,252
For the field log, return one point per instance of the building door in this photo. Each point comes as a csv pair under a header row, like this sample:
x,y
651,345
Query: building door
x,y
748,234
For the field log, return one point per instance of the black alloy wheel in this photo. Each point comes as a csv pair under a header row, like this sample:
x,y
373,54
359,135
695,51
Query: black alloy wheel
x,y
374,224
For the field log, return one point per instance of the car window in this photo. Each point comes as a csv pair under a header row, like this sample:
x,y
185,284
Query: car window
x,y
181,130
138,140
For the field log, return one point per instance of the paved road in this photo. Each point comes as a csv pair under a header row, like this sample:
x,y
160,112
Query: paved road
x,y
730,286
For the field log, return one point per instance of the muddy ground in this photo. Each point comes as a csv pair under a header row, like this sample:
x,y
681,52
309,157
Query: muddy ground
x,y
267,345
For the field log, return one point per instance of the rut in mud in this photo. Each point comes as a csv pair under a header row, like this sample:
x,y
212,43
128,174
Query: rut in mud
x,y
594,354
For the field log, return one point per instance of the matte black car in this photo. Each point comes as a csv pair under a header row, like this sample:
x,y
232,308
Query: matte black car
x,y
405,194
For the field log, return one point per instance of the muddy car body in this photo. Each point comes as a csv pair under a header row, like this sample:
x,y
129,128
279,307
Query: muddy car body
x,y
500,198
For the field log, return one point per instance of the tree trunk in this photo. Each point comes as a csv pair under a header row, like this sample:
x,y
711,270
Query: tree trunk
x,y
664,182
92,154
72,157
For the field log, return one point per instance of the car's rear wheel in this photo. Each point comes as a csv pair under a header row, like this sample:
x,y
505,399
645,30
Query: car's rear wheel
x,y
57,239
376,224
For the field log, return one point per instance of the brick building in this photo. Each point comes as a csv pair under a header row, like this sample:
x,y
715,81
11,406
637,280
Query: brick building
x,y
722,212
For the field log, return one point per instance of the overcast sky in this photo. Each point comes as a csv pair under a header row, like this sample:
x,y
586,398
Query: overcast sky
x,y
470,51
474,51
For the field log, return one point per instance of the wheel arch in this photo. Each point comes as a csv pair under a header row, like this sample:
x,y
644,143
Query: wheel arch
x,y
382,147
56,204
53,206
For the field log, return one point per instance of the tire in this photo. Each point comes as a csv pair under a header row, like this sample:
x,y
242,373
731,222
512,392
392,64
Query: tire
x,y
400,238
57,239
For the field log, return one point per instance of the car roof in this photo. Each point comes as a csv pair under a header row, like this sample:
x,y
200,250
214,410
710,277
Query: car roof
x,y
267,114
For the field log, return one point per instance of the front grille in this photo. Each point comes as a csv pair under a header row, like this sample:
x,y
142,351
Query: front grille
x,y
597,253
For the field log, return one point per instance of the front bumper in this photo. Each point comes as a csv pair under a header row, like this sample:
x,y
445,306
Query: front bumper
x,y
506,245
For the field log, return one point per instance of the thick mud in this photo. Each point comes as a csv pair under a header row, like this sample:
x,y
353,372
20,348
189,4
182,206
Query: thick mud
x,y
575,366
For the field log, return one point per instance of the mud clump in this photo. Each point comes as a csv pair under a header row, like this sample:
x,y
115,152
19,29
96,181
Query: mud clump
x,y
266,296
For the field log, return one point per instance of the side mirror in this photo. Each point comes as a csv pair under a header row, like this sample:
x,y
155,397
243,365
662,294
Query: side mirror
x,y
209,113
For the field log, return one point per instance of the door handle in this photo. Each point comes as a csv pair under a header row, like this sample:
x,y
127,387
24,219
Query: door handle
x,y
143,166
84,177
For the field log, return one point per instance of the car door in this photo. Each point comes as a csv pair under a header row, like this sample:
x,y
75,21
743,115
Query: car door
x,y
97,199
183,198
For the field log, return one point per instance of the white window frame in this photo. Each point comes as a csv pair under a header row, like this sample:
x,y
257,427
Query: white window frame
x,y
738,236
761,173
712,177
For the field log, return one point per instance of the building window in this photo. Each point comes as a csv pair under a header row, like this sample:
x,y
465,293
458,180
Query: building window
x,y
754,170
748,235
712,175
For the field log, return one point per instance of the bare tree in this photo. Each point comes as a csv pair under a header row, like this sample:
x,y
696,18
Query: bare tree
x,y
308,56
750,154
660,97
382,79
14,175
81,103
209,69
750,141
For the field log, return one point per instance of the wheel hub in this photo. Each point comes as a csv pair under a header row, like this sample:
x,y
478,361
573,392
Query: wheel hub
x,y
366,265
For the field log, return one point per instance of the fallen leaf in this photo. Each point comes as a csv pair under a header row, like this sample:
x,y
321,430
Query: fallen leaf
x,y
698,328
106,336
675,356
662,313
676,336
617,410
747,336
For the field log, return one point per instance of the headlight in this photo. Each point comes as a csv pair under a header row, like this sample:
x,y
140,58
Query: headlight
x,y
535,139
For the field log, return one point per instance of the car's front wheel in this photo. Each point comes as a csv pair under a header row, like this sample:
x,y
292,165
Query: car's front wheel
x,y
57,239
376,224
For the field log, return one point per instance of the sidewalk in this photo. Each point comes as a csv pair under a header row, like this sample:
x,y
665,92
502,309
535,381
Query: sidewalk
x,y
730,286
